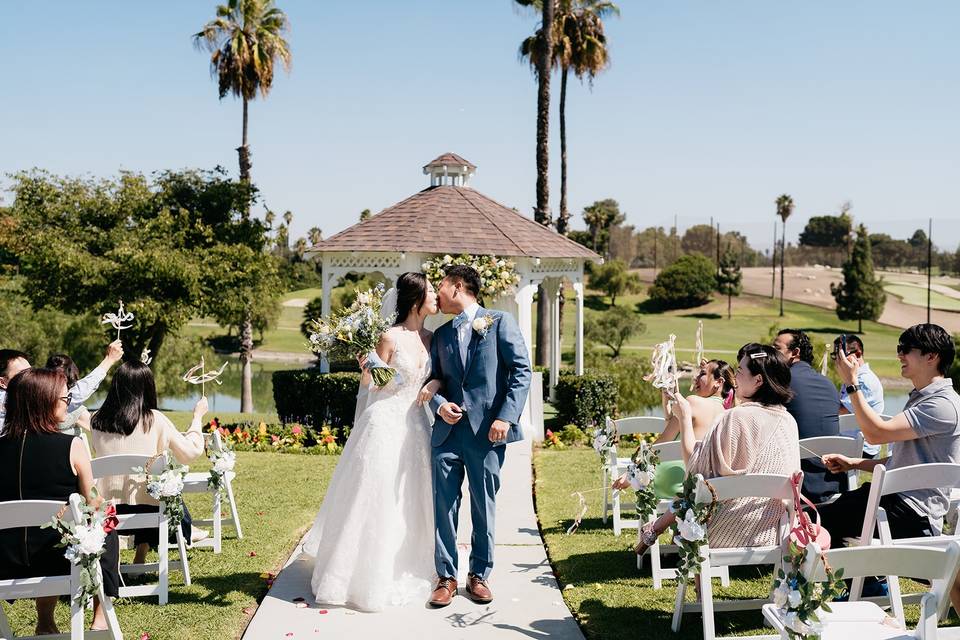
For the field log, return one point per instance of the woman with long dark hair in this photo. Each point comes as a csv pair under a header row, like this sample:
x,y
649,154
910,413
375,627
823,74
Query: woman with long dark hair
x,y
129,422
37,462
373,537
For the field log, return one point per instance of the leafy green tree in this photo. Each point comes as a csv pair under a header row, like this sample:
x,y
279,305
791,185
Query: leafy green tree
x,y
860,296
827,231
613,278
311,312
365,215
600,217
686,283
729,278
613,328
166,248
701,238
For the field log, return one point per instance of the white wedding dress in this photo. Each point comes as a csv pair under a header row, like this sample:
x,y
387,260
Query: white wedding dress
x,y
373,538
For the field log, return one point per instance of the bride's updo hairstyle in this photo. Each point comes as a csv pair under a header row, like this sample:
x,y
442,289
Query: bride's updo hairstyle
x,y
411,294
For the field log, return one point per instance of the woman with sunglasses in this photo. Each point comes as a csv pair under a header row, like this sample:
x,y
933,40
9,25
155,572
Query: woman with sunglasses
x,y
37,462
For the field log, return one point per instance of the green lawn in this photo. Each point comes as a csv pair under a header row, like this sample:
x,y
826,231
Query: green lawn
x,y
917,296
753,316
278,496
598,573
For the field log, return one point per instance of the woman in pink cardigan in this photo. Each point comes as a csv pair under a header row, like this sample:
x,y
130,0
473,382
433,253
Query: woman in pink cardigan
x,y
758,436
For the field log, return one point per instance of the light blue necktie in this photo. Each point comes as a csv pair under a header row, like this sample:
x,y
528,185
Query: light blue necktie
x,y
460,320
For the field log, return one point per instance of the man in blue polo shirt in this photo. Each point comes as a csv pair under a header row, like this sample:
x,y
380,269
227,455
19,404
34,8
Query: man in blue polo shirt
x,y
870,387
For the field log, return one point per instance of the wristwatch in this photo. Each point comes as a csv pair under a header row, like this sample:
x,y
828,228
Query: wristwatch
x,y
852,388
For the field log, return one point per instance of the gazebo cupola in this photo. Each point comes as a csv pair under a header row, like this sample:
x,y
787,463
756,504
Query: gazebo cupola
x,y
449,169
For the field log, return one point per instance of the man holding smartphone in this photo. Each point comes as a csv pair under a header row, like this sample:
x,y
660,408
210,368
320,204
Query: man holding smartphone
x,y
867,381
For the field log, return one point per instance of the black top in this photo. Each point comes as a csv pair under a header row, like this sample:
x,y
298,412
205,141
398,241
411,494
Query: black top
x,y
34,467
815,407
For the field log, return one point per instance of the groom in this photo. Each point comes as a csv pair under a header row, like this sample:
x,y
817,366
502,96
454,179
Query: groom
x,y
481,360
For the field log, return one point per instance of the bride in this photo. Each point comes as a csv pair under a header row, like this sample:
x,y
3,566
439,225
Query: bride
x,y
373,537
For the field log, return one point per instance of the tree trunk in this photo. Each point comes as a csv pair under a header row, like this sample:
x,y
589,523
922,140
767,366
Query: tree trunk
x,y
563,220
783,252
246,329
542,213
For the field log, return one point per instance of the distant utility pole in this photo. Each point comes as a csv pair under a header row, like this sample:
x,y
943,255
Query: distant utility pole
x,y
676,234
718,248
929,265
656,232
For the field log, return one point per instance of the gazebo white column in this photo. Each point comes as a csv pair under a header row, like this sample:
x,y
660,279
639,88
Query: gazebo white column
x,y
524,299
578,359
551,288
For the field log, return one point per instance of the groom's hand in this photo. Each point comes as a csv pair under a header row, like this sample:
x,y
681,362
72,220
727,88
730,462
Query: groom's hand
x,y
498,431
450,413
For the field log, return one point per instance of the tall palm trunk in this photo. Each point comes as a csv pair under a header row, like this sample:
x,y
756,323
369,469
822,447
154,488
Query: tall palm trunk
x,y
564,218
783,252
542,214
246,327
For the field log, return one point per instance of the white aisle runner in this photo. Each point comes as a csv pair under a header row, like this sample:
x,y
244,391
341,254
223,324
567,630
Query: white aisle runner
x,y
527,602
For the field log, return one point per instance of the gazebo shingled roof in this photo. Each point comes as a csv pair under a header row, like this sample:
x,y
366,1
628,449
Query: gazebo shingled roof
x,y
450,159
452,219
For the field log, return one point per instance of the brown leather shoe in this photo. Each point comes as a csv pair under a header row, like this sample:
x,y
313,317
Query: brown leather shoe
x,y
444,593
478,590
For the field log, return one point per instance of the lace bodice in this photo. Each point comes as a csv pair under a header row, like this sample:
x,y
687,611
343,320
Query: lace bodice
x,y
412,376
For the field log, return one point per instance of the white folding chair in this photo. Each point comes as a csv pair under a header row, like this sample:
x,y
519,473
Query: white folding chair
x,y
196,482
751,485
846,445
866,620
851,428
945,476
668,452
35,513
122,465
614,466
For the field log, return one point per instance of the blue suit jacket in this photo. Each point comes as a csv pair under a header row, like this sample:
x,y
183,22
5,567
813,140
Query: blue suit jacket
x,y
815,406
494,383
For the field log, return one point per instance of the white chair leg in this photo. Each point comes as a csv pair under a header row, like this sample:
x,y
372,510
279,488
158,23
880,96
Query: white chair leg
x,y
678,607
76,620
706,600
217,523
113,624
184,562
617,527
639,557
234,513
163,568
656,570
724,573
5,630
893,589
604,480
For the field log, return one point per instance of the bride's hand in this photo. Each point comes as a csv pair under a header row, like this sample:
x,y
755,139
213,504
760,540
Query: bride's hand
x,y
427,392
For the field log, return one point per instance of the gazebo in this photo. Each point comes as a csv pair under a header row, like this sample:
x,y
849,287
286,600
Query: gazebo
x,y
450,218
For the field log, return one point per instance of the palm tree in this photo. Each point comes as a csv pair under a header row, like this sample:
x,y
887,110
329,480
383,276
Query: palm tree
x,y
245,41
300,247
542,213
268,218
784,209
316,235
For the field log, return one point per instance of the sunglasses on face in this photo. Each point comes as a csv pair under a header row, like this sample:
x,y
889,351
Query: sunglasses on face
x,y
68,399
904,349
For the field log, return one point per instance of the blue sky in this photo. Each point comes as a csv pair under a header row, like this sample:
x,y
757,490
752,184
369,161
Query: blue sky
x,y
709,108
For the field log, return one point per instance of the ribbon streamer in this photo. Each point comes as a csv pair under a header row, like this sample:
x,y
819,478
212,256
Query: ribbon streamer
x,y
698,359
204,377
118,320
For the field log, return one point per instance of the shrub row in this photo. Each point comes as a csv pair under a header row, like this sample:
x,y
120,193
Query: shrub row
x,y
315,398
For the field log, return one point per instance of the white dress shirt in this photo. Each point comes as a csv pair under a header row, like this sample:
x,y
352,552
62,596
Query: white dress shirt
x,y
465,331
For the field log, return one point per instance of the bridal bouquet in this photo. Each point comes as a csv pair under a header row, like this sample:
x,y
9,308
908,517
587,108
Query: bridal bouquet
x,y
355,331
84,542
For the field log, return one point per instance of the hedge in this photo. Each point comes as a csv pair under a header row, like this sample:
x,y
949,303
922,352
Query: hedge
x,y
585,400
310,397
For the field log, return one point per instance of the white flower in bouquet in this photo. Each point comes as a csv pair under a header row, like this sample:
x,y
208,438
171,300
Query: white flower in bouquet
x,y
702,494
793,622
167,485
225,462
781,595
447,259
690,530
794,598
90,539
639,480
599,441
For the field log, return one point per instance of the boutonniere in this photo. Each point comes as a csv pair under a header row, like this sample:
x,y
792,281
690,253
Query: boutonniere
x,y
482,324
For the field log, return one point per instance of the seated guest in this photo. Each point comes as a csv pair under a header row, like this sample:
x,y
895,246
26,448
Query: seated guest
x,y
78,418
815,407
12,362
37,462
129,423
758,436
869,384
927,430
713,389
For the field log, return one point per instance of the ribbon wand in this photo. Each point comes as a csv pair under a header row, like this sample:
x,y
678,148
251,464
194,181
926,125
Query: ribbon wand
x,y
118,320
204,377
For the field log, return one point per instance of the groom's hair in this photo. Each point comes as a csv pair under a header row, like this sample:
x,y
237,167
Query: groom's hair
x,y
467,275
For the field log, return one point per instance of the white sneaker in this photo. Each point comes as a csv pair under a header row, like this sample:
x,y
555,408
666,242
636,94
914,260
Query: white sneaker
x,y
197,534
